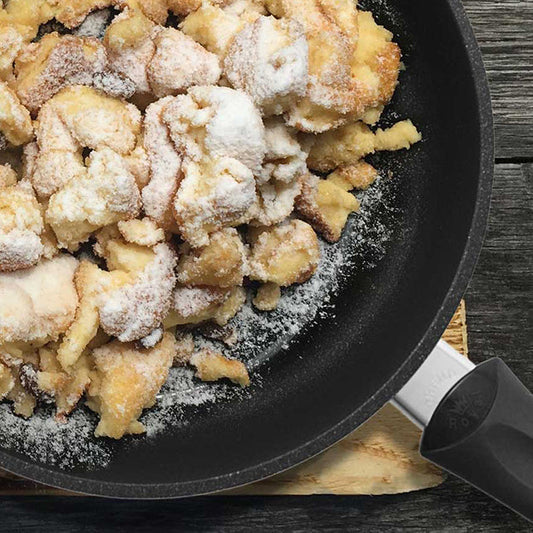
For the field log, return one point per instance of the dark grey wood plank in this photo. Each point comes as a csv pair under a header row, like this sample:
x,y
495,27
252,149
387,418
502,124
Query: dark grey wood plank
x,y
503,29
500,297
453,508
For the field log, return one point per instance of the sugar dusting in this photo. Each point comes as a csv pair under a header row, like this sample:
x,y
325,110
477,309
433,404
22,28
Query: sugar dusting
x,y
261,335
45,440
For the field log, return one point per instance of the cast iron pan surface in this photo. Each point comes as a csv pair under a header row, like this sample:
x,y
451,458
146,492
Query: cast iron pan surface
x,y
339,372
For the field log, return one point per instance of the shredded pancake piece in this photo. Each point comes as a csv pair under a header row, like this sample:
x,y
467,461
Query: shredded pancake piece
x,y
143,232
221,263
194,305
348,144
267,297
15,120
279,182
106,194
21,225
284,254
155,68
135,309
268,60
126,381
217,122
54,62
77,118
285,159
171,74
90,283
215,26
326,206
165,166
38,304
212,366
360,175
212,194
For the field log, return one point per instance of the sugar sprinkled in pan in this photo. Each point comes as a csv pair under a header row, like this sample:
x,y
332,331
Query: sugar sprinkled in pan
x,y
260,336
45,440
95,24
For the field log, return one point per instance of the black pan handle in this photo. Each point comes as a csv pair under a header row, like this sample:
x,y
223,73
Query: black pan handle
x,y
482,431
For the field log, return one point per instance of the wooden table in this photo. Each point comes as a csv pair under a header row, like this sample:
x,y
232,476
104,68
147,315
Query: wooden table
x,y
499,314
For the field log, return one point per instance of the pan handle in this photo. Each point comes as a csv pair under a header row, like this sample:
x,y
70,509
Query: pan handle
x,y
482,431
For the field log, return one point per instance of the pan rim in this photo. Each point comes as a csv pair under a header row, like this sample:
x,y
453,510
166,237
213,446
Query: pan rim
x,y
66,481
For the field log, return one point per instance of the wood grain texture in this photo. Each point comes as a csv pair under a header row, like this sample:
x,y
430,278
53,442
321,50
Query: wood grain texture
x,y
500,296
503,29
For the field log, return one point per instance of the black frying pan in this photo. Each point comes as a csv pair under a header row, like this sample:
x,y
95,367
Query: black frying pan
x,y
338,373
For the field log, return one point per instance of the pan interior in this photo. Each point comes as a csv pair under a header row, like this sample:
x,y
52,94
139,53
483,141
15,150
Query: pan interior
x,y
352,347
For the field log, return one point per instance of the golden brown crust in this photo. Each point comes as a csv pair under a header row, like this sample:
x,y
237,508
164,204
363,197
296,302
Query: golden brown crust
x,y
326,206
360,175
284,254
126,381
15,120
54,62
213,366
267,297
221,263
307,208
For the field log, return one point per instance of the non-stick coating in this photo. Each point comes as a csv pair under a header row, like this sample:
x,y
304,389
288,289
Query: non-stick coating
x,y
386,320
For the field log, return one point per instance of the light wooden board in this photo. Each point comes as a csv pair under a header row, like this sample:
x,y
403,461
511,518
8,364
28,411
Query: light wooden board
x,y
381,457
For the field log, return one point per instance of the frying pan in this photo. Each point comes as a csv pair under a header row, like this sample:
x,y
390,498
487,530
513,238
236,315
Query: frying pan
x,y
386,320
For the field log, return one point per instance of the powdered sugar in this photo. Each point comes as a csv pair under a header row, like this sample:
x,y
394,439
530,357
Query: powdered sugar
x,y
95,24
191,301
212,194
133,61
113,84
171,73
133,311
47,441
218,121
269,60
19,249
165,164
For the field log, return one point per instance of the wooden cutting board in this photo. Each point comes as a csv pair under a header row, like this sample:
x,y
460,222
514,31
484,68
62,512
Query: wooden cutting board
x,y
380,457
